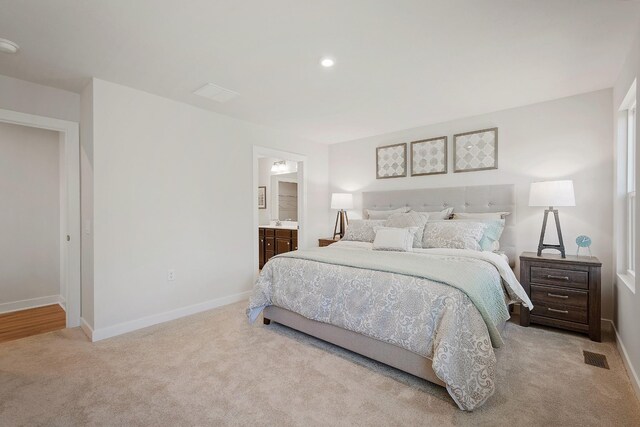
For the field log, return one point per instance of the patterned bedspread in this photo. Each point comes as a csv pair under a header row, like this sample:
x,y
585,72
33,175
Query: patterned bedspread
x,y
431,318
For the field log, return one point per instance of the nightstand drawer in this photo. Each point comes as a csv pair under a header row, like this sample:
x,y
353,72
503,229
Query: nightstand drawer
x,y
560,277
550,295
559,311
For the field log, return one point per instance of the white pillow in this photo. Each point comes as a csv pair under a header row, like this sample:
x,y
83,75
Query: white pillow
x,y
374,214
394,239
481,215
453,234
410,219
443,214
362,230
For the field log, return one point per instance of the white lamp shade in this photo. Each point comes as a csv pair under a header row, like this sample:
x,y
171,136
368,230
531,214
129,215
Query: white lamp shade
x,y
552,193
341,201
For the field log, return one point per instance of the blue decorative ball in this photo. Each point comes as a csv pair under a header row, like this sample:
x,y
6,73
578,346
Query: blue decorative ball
x,y
583,241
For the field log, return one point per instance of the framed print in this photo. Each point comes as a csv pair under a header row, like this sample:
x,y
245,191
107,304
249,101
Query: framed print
x,y
429,156
262,197
391,161
475,151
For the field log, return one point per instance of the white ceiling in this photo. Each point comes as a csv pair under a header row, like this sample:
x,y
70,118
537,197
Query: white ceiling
x,y
399,64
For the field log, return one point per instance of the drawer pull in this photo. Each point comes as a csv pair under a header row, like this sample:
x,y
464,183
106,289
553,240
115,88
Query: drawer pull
x,y
557,296
558,311
552,277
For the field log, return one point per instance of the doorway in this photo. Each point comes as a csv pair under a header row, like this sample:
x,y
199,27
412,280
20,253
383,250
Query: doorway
x,y
64,219
279,203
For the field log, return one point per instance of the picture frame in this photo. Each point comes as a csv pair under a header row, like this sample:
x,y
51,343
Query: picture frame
x,y
391,161
429,156
262,197
475,151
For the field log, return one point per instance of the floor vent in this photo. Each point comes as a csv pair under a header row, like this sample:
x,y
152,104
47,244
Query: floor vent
x,y
595,359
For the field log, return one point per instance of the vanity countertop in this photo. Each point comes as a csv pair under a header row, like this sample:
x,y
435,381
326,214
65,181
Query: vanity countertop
x,y
279,227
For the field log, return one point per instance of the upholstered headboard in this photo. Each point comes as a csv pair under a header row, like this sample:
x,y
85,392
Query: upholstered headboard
x,y
481,198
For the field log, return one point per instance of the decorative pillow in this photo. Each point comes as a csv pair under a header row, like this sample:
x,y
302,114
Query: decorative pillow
x,y
481,215
453,234
443,214
373,214
410,219
362,230
491,237
394,239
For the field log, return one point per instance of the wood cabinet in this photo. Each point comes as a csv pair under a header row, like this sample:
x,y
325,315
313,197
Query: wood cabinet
x,y
565,292
260,247
273,241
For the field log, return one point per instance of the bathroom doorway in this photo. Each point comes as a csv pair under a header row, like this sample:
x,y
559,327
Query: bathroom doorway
x,y
279,203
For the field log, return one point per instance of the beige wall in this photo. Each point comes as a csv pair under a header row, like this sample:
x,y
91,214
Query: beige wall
x,y
568,138
173,189
627,301
29,214
264,180
86,203
32,98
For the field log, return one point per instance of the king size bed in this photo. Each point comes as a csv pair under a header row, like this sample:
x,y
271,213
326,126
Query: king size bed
x,y
435,310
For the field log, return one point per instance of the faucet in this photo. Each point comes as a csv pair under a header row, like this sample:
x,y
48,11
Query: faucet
x,y
278,223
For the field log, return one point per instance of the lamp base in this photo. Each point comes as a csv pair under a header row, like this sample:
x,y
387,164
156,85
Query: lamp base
x,y
341,220
541,245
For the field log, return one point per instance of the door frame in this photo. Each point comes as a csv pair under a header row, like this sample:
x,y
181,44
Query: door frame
x,y
302,161
69,204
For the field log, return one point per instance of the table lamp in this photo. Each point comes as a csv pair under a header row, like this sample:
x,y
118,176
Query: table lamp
x,y
342,202
552,193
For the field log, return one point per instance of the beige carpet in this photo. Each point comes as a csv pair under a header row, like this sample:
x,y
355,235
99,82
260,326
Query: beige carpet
x,y
216,369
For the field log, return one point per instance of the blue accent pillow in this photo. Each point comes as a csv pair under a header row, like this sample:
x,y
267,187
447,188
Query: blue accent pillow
x,y
492,233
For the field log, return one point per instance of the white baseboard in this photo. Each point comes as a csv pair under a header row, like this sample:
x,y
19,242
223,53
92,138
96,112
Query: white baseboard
x,y
25,304
86,328
633,375
133,325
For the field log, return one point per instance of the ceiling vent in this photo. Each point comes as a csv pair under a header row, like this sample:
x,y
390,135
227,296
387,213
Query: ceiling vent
x,y
216,93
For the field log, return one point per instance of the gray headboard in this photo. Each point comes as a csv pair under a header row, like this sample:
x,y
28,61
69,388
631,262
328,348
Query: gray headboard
x,y
481,198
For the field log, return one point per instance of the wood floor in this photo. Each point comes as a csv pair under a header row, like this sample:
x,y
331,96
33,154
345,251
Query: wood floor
x,y
24,323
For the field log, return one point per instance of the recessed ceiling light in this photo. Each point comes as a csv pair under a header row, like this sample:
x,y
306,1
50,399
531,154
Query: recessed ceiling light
x,y
327,62
7,46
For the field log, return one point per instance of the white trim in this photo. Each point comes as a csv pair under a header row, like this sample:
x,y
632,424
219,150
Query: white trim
x,y
631,372
86,328
70,140
629,280
258,152
133,325
26,304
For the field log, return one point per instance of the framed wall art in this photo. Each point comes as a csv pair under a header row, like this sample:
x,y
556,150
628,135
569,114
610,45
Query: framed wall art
x,y
429,156
262,197
475,151
391,161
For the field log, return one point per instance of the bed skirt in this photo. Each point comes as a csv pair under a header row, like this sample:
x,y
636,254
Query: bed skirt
x,y
372,348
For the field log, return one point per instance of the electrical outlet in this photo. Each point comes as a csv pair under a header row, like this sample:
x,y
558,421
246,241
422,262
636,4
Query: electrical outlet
x,y
171,275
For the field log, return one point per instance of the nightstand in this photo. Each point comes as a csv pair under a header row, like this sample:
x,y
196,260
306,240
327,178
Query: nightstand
x,y
565,292
327,241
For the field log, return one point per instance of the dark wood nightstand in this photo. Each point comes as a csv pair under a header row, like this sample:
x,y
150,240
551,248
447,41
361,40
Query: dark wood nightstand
x,y
565,292
327,241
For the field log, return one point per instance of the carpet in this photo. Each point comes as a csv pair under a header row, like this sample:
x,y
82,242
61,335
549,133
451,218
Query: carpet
x,y
214,368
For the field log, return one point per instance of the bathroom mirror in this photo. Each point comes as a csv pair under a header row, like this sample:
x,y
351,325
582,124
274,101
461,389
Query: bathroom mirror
x,y
284,197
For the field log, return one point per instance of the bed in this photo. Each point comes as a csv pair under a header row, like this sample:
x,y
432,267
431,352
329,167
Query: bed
x,y
434,313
